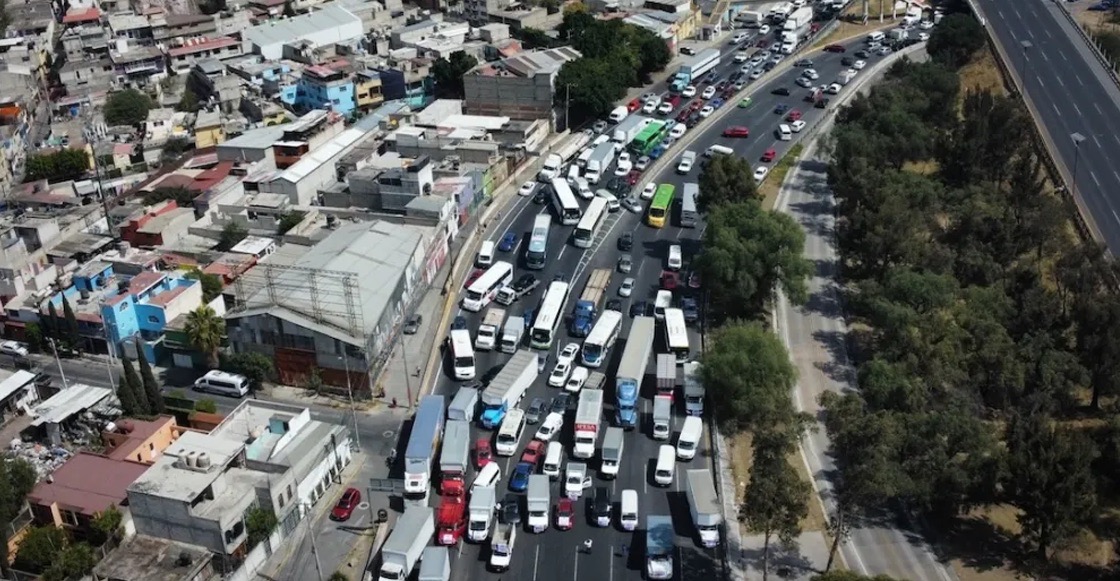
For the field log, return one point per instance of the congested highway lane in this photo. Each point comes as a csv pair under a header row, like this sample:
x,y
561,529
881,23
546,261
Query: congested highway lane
x,y
553,554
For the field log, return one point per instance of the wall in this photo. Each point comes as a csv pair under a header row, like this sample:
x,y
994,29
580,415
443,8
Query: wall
x,y
511,96
319,480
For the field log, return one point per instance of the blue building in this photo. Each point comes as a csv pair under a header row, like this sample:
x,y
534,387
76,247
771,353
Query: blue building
x,y
322,87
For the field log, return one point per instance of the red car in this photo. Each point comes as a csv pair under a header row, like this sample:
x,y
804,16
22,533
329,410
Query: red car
x,y
736,131
669,280
769,155
633,177
565,514
533,453
473,277
683,115
346,505
835,48
675,100
634,105
793,115
482,454
696,105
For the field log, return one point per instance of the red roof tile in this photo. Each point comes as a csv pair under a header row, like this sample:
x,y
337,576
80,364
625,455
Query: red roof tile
x,y
88,483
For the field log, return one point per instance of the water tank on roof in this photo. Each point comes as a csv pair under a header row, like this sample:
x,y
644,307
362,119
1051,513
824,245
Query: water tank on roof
x,y
126,426
191,459
203,461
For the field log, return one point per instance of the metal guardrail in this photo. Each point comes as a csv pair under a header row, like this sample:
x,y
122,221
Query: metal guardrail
x,y
1108,67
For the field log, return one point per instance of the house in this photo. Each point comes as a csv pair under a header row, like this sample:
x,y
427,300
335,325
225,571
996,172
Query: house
x,y
85,486
323,87
144,558
50,417
208,130
519,87
17,393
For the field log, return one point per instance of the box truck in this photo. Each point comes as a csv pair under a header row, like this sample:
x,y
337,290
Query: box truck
x,y
402,549
628,130
481,511
455,458
463,405
588,412
704,504
501,547
489,329
511,335
508,387
662,417
600,160
435,564
666,374
611,455
420,455
539,500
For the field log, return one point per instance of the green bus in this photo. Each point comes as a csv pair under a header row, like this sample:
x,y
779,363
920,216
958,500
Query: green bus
x,y
659,207
650,137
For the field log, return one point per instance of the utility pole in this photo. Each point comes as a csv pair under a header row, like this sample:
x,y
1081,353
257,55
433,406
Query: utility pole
x,y
350,396
314,549
61,373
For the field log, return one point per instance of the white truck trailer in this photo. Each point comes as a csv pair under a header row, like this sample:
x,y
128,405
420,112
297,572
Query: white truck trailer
x,y
490,328
454,458
539,499
435,564
420,455
588,413
704,504
508,387
402,549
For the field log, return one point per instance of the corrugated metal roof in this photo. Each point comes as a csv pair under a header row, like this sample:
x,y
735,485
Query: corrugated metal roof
x,y
292,29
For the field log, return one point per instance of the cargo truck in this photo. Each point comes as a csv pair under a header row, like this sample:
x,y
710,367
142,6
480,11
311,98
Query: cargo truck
x,y
575,479
704,504
481,510
666,374
659,546
600,160
511,335
420,455
611,455
451,519
455,458
796,29
435,564
501,547
694,68
626,131
693,389
662,417
402,549
539,500
489,329
588,412
751,17
508,387
587,307
632,369
463,405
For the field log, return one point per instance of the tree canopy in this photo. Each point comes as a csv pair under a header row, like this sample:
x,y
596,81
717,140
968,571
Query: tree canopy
x,y
127,107
748,377
65,164
448,74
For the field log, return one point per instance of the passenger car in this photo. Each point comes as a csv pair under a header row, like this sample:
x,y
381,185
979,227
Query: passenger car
x,y
689,91
626,241
412,325
482,453
648,190
550,427
535,411
627,287
509,241
527,189
346,505
565,514
568,353
760,173
708,92
769,155
737,131
625,263
560,373
632,204
835,48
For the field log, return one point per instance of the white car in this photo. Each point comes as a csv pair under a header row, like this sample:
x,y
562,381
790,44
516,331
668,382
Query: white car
x,y
811,74
627,287
884,50
797,126
576,381
568,353
741,57
689,91
755,61
777,58
648,190
631,204
756,74
739,37
13,348
560,373
665,108
623,167
833,89
708,93
803,82
926,25
851,72
746,69
923,36
706,111
651,106
527,189
642,163
764,30
858,65
759,175
612,200
684,166
678,130
549,427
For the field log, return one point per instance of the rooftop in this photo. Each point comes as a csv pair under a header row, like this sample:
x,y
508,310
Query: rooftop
x,y
291,29
11,381
78,398
88,483
131,434
168,479
252,245
144,558
157,224
528,64
198,46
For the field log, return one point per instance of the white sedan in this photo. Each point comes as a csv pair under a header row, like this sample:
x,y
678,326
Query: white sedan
x,y
549,427
764,30
642,163
568,353
707,111
833,89
858,65
627,287
756,74
811,74
923,36
759,175
527,189
708,93
560,373
797,126
665,108
648,190
13,348
623,167
803,82
650,106
689,91
684,166
576,381
678,130
741,57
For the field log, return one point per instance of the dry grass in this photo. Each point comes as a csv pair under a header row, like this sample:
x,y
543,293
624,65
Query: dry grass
x,y
741,451
874,9
927,167
815,520
770,187
1090,19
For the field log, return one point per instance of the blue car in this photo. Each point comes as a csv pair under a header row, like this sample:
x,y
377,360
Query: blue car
x,y
780,109
508,242
519,481
716,103
656,152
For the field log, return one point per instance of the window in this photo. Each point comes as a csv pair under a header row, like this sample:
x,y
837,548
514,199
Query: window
x,y
123,307
69,517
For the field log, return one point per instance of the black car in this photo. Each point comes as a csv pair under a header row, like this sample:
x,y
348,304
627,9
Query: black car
x,y
473,384
541,197
691,310
459,323
639,308
412,325
511,510
769,66
735,76
560,277
803,63
821,103
721,85
526,284
847,61
535,411
600,507
626,241
560,403
862,54
614,305
780,91
618,186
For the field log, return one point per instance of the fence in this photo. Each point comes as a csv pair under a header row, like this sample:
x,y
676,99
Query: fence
x,y
1109,67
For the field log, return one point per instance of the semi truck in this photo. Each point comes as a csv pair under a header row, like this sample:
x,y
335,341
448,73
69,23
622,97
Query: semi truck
x,y
601,158
435,564
587,307
511,335
451,519
695,68
704,504
489,329
753,17
539,499
796,28
481,511
402,549
611,455
662,417
501,547
420,455
588,411
454,459
666,374
659,546
508,387
626,131
632,369
463,405
693,389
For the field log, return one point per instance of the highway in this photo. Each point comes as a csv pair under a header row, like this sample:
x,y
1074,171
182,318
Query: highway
x,y
1071,95
553,554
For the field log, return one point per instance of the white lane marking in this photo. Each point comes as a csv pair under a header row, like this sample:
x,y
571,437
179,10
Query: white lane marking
x,y
612,564
1097,141
1097,107
1059,79
1076,108
1093,175
536,562
1116,174
1117,216
561,253
575,571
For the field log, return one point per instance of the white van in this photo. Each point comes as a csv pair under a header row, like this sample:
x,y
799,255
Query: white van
x,y
489,476
628,513
584,157
666,465
720,149
553,459
876,36
550,168
509,434
662,301
689,439
618,114
674,262
223,383
573,174
583,189
485,254
784,132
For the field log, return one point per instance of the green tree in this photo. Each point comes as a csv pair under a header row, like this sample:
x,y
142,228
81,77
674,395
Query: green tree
x,y
17,479
955,39
205,330
211,284
76,561
188,102
289,9
126,394
653,53
131,382
533,38
148,379
106,525
288,221
748,376
776,499
127,107
1098,343
51,324
73,336
183,197
259,523
588,88
448,74
338,576
257,367
726,179
39,548
231,234
33,333
66,164
206,406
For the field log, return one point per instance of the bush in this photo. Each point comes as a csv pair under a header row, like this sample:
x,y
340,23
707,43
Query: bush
x,y
127,107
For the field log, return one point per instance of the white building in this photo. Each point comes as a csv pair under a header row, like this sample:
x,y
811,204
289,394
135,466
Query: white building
x,y
332,24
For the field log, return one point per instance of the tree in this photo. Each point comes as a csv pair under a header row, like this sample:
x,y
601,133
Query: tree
x,y
184,197
259,523
206,406
127,107
211,283
205,330
748,376
76,561
188,102
653,53
66,164
1098,343
17,479
776,499
255,366
148,379
73,337
136,395
106,525
39,548
33,333
338,576
726,179
51,325
955,40
449,73
231,234
288,221
588,88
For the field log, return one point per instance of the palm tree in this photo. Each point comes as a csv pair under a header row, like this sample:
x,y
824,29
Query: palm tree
x,y
205,330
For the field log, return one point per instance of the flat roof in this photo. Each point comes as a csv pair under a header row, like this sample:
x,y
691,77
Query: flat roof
x,y
78,398
13,381
330,17
166,479
253,245
144,558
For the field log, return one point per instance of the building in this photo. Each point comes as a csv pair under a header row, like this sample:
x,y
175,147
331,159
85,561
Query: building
x,y
185,55
325,27
208,130
322,87
367,90
144,558
85,486
263,454
519,87
17,393
51,417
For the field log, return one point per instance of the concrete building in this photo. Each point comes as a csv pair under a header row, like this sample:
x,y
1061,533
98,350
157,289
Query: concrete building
x,y
519,87
182,57
144,558
322,87
331,25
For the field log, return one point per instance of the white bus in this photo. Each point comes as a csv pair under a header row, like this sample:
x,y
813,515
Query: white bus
x,y
601,338
676,335
589,225
537,252
564,203
544,327
688,206
462,354
483,289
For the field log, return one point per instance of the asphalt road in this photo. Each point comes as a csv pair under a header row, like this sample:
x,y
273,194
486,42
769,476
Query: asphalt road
x,y
1071,94
553,554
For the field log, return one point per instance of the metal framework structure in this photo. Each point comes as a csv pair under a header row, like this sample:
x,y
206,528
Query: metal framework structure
x,y
331,295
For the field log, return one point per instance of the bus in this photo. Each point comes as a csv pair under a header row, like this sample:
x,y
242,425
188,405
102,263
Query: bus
x,y
659,207
650,137
565,204
549,315
688,205
462,354
589,225
601,338
676,335
484,288
537,251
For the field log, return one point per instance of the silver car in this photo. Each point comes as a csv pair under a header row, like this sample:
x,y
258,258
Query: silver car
x,y
627,287
625,263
